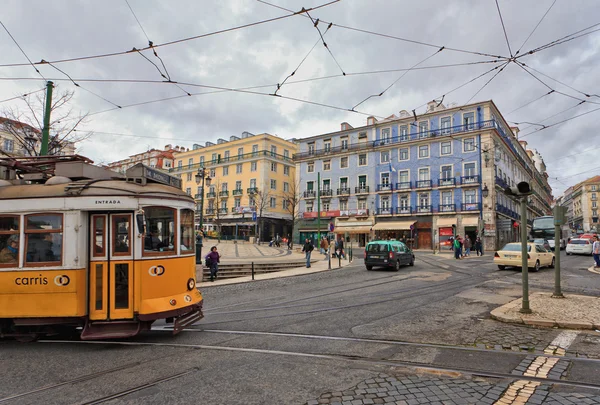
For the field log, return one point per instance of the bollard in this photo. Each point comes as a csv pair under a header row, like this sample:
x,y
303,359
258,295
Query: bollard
x,y
329,258
340,259
252,270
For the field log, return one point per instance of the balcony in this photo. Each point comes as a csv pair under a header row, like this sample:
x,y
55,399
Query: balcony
x,y
423,209
385,188
361,190
423,184
252,190
211,194
226,160
405,185
355,213
238,191
384,211
447,182
466,180
327,193
210,211
309,194
446,207
403,210
197,196
471,207
344,191
224,193
501,182
223,210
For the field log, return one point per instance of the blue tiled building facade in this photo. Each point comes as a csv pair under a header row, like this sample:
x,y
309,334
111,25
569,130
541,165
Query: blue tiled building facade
x,y
423,179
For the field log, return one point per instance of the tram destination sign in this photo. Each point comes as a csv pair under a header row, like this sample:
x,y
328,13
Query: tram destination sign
x,y
141,170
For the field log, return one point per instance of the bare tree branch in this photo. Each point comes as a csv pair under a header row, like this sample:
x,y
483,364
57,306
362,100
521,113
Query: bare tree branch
x,y
293,198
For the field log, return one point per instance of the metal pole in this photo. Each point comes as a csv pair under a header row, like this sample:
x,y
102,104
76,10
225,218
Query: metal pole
x,y
557,235
329,256
340,259
524,269
199,255
46,129
252,270
318,207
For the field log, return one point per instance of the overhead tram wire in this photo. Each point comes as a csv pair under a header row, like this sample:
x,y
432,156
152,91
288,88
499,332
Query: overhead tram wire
x,y
504,29
177,41
539,123
560,122
22,51
391,36
23,95
530,102
558,81
400,77
561,40
316,25
535,28
488,82
83,88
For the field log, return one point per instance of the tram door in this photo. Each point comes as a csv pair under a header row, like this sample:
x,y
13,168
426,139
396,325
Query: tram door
x,y
111,266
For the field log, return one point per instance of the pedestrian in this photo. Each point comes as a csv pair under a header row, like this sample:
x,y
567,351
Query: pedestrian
x,y
456,246
307,249
212,262
341,248
322,246
325,246
467,243
596,252
289,242
478,246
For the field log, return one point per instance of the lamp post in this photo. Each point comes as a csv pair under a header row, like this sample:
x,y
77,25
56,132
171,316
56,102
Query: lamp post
x,y
201,177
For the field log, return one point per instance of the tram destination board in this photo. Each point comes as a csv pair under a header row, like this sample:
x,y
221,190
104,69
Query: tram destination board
x,y
141,170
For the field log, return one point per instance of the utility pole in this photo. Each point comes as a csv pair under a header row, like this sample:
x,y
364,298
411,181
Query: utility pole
x,y
318,207
524,267
559,220
46,129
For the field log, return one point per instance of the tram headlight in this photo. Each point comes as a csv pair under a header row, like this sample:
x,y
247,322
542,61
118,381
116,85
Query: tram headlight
x,y
173,302
191,284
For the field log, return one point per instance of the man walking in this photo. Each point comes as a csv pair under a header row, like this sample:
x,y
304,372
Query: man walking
x,y
457,247
307,249
596,252
467,246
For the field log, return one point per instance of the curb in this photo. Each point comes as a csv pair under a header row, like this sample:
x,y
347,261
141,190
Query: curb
x,y
593,270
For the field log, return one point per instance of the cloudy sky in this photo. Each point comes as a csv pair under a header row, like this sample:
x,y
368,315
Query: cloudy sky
x,y
368,46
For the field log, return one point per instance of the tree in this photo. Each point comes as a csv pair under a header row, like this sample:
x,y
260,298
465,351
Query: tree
x,y
293,197
262,198
218,218
26,124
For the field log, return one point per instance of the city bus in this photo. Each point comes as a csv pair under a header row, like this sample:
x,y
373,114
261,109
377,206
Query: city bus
x,y
88,251
543,227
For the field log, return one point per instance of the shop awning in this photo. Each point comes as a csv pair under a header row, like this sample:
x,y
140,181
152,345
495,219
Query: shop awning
x,y
470,221
446,222
393,226
353,229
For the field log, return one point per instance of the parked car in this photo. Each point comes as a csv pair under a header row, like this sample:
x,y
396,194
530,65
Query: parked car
x,y
537,256
388,253
545,243
579,246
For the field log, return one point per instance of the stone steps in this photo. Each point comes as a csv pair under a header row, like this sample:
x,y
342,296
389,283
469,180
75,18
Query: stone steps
x,y
245,269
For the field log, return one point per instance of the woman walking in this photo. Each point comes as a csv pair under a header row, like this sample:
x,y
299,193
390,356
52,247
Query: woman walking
x,y
212,261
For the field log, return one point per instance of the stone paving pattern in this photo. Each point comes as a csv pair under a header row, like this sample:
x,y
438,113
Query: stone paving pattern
x,y
416,390
516,338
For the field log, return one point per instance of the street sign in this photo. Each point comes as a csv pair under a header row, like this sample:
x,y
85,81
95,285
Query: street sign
x,y
254,216
331,227
559,215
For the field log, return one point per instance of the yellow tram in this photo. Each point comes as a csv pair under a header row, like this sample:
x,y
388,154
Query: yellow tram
x,y
82,246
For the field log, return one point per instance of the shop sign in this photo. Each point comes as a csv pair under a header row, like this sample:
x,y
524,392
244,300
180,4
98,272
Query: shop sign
x,y
446,232
324,214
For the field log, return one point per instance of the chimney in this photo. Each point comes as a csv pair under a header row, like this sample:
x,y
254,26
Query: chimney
x,y
345,126
515,131
168,147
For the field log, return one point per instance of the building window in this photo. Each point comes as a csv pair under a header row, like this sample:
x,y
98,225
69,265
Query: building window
x,y
326,185
286,170
423,151
226,155
225,170
344,162
362,159
362,137
344,141
446,148
423,127
385,203
385,180
284,204
423,174
201,160
311,148
189,177
470,169
273,166
252,183
385,156
254,150
213,173
253,166
327,145
224,187
424,200
362,204
9,145
343,182
344,205
325,206
403,154
403,176
469,121
273,150
403,133
273,202
214,157
188,191
447,197
594,204
273,184
286,153
310,167
237,202
446,172
238,168
240,152
469,145
470,196
385,136
238,185
327,165
593,188
445,125
404,203
286,187
309,207
179,163
362,181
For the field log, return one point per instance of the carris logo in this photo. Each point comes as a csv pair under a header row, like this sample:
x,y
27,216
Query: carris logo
x,y
62,280
156,270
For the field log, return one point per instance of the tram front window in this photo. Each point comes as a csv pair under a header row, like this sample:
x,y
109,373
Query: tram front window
x,y
9,241
160,229
44,239
187,231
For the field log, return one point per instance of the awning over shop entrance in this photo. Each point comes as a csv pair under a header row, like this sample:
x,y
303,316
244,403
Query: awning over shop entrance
x,y
446,222
353,229
470,221
393,226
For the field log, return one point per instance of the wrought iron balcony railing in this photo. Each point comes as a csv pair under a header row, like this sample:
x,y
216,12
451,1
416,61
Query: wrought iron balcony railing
x,y
423,183
446,182
404,210
211,194
422,209
472,179
405,185
309,194
385,187
361,190
343,191
238,191
446,208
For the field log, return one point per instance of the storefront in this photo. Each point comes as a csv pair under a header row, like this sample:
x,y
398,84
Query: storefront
x,y
445,232
470,227
398,230
312,224
356,232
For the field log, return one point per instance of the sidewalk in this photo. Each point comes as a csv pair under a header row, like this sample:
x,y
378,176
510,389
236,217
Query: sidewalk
x,y
316,266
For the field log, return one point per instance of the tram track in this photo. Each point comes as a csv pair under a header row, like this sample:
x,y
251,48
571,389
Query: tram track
x,y
414,367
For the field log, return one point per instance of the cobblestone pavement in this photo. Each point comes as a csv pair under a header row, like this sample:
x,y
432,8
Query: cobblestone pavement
x,y
515,338
232,252
414,390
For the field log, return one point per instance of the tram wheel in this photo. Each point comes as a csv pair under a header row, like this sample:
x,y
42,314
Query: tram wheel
x,y
26,335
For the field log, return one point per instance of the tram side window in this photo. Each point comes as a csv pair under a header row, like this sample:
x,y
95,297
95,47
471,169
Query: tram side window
x,y
9,241
44,239
160,230
187,231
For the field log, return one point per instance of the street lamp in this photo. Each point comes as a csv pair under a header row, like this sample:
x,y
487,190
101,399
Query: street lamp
x,y
485,192
201,177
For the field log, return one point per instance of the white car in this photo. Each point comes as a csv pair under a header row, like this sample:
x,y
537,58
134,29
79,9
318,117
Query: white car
x,y
579,246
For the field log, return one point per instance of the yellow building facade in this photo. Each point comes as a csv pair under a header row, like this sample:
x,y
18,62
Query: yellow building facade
x,y
251,183
585,200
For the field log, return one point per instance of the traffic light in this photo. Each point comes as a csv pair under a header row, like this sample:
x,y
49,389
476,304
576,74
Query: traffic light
x,y
522,189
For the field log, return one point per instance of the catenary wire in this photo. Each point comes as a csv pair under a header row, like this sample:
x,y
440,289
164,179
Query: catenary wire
x,y
561,40
547,118
138,21
23,95
561,122
488,82
530,102
504,29
22,51
177,41
535,28
558,81
316,25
